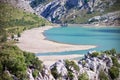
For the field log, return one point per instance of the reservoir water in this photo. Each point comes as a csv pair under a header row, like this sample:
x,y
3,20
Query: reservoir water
x,y
104,38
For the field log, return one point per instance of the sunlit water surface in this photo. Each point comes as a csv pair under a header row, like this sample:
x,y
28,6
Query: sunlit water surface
x,y
104,38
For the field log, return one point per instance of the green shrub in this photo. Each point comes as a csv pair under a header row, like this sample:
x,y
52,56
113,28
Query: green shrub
x,y
12,36
102,75
72,64
110,52
83,63
32,60
70,75
43,24
94,54
55,73
14,61
6,76
1,68
113,52
115,61
17,61
4,38
114,72
83,76
35,73
19,35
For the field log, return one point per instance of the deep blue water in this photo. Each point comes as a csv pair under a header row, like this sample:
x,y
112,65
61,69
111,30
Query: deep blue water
x,y
103,38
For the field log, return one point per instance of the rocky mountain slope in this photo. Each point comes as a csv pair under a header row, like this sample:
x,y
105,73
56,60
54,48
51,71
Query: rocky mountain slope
x,y
22,4
94,66
112,18
20,65
74,11
14,19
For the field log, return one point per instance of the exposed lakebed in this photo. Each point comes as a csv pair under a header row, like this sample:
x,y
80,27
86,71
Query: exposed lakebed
x,y
104,38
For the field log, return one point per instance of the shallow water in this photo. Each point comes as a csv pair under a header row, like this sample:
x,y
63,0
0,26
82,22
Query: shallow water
x,y
104,38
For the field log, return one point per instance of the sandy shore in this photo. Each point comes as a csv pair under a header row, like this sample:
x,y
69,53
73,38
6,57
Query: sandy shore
x,y
34,41
49,60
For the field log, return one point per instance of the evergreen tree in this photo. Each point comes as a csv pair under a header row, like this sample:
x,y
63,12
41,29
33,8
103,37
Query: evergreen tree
x,y
19,35
102,75
114,72
83,76
12,36
4,38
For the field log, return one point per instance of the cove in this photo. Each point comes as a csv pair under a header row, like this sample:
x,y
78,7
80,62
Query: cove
x,y
105,38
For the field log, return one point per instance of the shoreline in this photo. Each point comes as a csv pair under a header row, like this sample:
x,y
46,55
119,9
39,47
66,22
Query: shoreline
x,y
33,40
49,60
94,25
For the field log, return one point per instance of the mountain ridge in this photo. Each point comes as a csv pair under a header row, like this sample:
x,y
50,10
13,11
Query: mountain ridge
x,y
77,11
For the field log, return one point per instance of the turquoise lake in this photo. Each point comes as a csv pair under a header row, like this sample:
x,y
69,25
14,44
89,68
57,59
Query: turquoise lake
x,y
104,38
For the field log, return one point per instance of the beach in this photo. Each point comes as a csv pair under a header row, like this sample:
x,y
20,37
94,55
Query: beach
x,y
34,41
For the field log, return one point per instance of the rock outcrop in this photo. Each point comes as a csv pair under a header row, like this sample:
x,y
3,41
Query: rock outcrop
x,y
56,10
43,75
110,19
90,65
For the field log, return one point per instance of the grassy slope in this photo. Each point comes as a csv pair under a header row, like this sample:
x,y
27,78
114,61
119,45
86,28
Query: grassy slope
x,y
13,20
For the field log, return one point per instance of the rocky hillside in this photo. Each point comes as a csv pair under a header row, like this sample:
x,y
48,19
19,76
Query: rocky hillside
x,y
93,66
74,11
112,19
14,19
22,4
19,65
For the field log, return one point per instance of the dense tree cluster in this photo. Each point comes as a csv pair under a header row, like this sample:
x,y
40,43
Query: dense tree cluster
x,y
14,63
114,71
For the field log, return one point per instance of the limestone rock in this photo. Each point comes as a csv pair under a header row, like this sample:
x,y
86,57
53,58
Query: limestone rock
x,y
56,10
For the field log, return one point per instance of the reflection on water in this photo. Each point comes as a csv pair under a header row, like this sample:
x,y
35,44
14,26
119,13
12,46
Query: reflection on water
x,y
108,30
